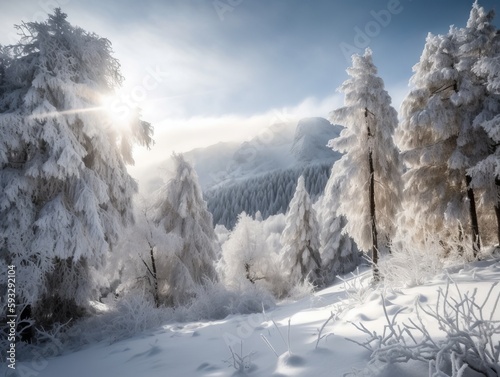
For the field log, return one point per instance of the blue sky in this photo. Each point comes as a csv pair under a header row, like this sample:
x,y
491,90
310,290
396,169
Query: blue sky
x,y
205,70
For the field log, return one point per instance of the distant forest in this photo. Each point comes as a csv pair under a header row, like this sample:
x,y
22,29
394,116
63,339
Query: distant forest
x,y
269,193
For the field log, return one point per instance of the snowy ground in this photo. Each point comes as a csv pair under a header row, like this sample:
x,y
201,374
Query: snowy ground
x,y
202,348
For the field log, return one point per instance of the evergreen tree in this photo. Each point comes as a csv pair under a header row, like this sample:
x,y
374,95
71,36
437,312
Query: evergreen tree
x,y
427,137
437,133
64,189
370,156
300,238
486,65
339,253
180,209
474,41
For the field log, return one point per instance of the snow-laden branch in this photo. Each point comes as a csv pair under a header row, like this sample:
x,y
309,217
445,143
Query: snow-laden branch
x,y
470,339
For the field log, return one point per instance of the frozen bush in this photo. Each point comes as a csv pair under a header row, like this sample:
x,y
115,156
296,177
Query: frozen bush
x,y
468,339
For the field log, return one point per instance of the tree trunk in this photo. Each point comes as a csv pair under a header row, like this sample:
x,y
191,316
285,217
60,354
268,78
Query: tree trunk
x,y
371,193
460,240
376,272
155,278
248,276
315,256
497,208
152,272
476,242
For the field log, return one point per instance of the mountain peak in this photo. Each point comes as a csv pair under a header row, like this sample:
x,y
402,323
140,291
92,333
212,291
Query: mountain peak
x,y
311,137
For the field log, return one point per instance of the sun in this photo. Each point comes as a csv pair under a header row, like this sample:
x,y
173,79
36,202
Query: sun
x,y
115,107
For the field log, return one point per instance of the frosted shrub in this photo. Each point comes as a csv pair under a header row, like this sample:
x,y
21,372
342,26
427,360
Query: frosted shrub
x,y
357,288
469,338
136,312
215,301
299,291
127,316
251,259
410,263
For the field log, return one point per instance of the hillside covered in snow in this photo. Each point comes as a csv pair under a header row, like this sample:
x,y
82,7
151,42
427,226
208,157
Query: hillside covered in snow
x,y
312,336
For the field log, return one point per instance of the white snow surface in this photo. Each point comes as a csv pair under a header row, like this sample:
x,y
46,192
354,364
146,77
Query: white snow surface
x,y
201,348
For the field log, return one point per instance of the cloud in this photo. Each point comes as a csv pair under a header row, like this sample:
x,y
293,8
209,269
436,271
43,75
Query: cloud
x,y
184,134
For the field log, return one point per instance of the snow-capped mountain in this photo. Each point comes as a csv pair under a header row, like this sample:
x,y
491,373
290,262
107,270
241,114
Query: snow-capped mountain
x,y
280,146
311,137
263,172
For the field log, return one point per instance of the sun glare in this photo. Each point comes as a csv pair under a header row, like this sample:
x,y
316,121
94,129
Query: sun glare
x,y
117,110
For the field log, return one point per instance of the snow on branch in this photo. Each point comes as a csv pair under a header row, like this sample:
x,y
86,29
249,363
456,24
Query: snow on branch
x,y
470,338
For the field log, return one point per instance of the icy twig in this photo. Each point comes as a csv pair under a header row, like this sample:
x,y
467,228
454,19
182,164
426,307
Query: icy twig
x,y
470,341
320,331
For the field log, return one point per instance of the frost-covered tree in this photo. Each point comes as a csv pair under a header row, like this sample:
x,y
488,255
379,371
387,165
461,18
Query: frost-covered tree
x,y
474,41
339,252
180,209
486,173
300,238
485,51
245,255
64,189
427,138
437,134
368,176
146,260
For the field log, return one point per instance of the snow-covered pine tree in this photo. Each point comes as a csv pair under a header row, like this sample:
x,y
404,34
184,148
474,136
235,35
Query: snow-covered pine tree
x,y
427,136
485,57
64,189
180,209
437,135
476,40
339,252
300,238
486,173
370,157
